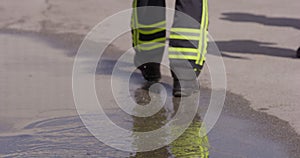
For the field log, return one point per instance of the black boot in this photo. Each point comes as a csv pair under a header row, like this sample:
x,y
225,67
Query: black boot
x,y
151,71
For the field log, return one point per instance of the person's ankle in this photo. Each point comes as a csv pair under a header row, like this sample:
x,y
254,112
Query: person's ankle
x,y
151,71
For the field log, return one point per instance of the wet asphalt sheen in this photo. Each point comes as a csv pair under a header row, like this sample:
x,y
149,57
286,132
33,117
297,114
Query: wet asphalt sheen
x,y
239,133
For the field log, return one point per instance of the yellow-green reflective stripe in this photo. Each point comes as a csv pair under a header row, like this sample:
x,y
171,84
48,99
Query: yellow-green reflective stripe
x,y
203,23
186,30
206,4
203,58
202,151
203,133
207,154
206,35
201,35
188,34
148,48
200,141
186,57
163,39
182,37
135,24
155,25
187,50
202,28
150,32
183,54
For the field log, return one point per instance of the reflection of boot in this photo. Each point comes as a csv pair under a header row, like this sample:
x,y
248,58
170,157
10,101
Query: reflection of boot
x,y
298,52
151,71
184,88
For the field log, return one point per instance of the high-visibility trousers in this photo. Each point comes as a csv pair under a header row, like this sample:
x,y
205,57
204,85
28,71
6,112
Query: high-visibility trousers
x,y
188,36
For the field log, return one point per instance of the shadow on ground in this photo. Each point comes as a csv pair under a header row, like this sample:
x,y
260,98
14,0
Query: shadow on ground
x,y
262,19
252,47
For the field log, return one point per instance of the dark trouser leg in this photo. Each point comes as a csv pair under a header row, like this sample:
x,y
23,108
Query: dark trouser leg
x,y
188,39
148,30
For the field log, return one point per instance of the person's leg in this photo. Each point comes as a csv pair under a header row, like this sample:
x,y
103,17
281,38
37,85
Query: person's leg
x,y
188,42
149,36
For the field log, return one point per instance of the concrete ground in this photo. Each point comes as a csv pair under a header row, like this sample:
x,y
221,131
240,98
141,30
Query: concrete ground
x,y
258,40
39,118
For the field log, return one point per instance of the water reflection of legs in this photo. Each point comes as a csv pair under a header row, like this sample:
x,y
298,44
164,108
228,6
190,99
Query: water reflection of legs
x,y
189,144
154,122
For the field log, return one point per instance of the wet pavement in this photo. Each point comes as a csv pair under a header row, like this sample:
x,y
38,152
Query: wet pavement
x,y
240,131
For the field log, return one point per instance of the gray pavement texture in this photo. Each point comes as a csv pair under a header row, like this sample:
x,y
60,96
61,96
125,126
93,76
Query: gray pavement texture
x,y
258,40
39,39
39,120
